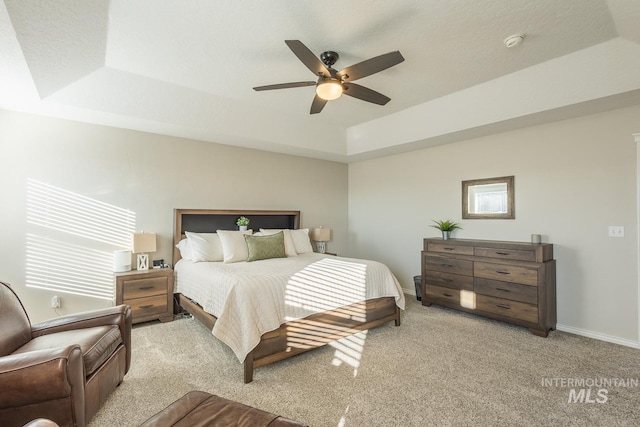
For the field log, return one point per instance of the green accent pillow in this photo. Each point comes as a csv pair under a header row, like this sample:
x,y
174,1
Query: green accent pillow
x,y
265,247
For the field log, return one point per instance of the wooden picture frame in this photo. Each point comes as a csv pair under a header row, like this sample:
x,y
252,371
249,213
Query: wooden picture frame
x,y
489,198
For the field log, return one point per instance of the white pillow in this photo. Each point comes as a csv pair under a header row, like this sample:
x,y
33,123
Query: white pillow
x,y
185,249
289,246
234,248
301,240
204,246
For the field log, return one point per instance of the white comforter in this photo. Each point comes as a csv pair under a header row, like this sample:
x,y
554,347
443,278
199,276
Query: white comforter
x,y
252,298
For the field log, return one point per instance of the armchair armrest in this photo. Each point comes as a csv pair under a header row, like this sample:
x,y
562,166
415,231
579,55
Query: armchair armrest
x,y
41,422
119,315
42,375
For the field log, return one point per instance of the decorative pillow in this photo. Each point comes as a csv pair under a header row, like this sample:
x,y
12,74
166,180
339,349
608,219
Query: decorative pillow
x,y
185,249
289,247
204,246
234,248
301,240
265,247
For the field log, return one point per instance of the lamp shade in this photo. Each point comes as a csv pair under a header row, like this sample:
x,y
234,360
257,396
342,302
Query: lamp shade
x,y
143,243
321,234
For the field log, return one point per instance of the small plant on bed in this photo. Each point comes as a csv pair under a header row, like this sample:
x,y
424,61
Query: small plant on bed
x,y
446,226
243,222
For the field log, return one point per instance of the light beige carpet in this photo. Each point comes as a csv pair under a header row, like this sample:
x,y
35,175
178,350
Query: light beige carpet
x,y
440,367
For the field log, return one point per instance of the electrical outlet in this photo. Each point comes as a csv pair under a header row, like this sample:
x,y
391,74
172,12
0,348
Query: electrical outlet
x,y
616,231
55,301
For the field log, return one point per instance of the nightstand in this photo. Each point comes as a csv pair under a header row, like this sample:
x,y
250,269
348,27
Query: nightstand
x,y
148,292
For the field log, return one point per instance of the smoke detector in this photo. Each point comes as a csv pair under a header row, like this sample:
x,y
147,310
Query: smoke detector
x,y
514,40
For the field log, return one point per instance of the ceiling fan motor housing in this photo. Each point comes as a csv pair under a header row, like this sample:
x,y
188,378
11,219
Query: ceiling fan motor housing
x,y
329,58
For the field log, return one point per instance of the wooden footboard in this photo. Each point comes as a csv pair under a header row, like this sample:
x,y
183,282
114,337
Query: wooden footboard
x,y
298,336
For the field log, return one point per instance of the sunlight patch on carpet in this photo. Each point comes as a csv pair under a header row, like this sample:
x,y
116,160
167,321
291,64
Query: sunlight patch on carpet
x,y
349,350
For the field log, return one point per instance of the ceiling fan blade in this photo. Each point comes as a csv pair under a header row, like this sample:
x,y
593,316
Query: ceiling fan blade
x,y
284,85
365,94
317,105
371,66
308,58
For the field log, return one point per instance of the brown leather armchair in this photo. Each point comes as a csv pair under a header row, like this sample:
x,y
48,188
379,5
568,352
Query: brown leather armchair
x,y
62,369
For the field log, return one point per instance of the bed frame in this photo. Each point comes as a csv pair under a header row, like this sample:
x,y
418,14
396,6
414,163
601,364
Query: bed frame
x,y
292,337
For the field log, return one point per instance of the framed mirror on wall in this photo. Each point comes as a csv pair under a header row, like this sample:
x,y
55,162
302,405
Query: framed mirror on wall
x,y
490,198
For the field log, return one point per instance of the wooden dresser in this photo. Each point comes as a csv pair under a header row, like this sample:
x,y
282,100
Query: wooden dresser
x,y
148,292
509,281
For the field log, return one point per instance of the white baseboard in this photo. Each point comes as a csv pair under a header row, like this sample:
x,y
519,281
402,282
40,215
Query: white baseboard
x,y
598,336
409,291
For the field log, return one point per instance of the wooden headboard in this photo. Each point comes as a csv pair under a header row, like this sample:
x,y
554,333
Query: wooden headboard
x,y
210,220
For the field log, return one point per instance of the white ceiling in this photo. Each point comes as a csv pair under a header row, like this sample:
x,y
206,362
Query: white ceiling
x,y
187,67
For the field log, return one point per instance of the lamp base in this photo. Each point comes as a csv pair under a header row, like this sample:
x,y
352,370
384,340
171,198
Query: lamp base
x,y
143,262
321,247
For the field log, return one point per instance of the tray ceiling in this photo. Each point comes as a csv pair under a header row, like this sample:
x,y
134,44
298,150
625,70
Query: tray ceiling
x,y
186,67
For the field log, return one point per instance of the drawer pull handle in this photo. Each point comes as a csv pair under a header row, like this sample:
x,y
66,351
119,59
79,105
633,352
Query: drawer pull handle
x,y
506,307
503,290
449,249
502,253
447,295
502,272
146,306
448,265
144,288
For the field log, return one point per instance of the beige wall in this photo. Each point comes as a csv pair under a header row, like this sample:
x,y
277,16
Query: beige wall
x,y
149,175
573,179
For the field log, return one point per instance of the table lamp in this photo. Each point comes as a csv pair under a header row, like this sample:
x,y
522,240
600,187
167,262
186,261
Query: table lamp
x,y
143,243
321,235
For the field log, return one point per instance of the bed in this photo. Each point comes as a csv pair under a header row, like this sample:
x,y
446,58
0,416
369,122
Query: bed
x,y
304,301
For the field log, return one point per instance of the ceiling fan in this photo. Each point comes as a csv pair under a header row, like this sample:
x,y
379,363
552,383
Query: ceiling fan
x,y
331,83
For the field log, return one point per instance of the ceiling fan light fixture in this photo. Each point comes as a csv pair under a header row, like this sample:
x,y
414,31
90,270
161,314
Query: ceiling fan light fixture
x,y
329,89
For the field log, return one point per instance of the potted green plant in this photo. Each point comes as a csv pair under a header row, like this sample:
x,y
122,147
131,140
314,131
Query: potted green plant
x,y
446,226
242,223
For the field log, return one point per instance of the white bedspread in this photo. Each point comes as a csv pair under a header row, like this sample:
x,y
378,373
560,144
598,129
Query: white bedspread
x,y
252,298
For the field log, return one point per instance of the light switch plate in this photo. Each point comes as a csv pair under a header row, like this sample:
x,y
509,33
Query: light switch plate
x,y
616,231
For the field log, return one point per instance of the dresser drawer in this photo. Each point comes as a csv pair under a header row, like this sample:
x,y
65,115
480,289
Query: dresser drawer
x,y
511,309
449,249
511,291
453,298
506,273
440,294
144,287
449,265
449,280
510,254
149,306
